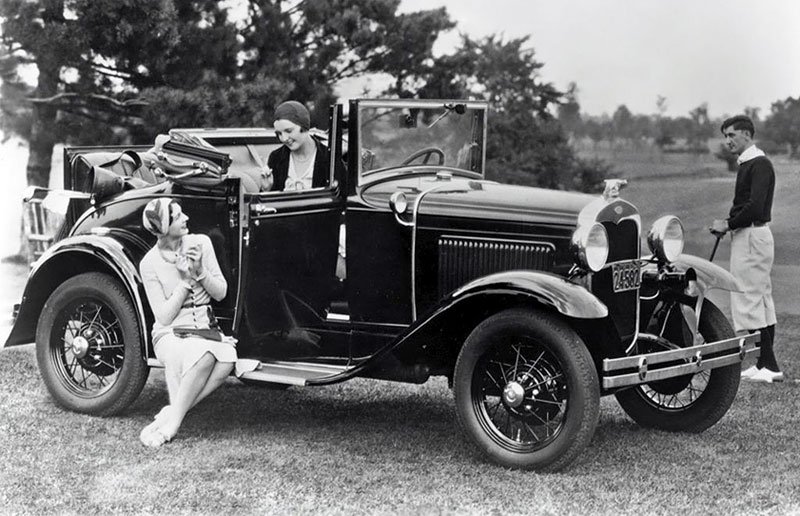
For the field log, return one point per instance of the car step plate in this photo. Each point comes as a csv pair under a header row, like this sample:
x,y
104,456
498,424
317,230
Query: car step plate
x,y
292,373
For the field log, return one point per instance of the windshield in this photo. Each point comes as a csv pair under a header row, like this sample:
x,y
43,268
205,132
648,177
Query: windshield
x,y
448,134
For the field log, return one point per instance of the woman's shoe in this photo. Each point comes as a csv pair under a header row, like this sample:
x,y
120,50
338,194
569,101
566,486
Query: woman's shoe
x,y
162,413
152,436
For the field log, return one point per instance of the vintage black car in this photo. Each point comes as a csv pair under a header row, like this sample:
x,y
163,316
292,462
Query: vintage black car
x,y
409,264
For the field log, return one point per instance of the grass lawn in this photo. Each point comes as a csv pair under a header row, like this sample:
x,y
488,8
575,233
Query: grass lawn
x,y
378,447
369,447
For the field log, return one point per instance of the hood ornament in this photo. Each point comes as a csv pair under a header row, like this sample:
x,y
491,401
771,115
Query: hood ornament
x,y
613,186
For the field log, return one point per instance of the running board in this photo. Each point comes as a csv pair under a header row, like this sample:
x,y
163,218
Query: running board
x,y
292,373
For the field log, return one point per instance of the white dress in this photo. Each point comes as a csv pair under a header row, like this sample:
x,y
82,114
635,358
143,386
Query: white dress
x,y
161,278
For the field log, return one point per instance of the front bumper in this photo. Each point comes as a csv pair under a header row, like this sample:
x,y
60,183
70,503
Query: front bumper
x,y
661,365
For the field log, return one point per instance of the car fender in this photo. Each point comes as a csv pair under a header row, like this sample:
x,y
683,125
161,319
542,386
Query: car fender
x,y
553,291
67,258
709,275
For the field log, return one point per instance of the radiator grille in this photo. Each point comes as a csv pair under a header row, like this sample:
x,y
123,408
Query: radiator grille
x,y
464,259
623,239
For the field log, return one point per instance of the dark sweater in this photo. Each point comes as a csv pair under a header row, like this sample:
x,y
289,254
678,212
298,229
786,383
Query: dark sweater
x,y
752,200
278,162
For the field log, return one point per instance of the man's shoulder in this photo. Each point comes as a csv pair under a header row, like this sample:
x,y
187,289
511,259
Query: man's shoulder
x,y
760,162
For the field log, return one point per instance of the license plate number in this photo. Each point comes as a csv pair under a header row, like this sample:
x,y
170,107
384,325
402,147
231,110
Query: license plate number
x,y
626,276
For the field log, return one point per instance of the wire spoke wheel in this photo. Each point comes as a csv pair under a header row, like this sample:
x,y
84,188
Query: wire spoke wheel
x,y
688,403
88,345
682,399
675,393
526,390
521,395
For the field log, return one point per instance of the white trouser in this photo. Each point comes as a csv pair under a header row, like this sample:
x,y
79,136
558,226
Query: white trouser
x,y
752,254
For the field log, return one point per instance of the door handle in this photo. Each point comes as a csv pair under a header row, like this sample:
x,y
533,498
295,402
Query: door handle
x,y
262,209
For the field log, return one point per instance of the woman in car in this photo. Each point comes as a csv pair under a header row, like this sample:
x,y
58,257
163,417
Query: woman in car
x,y
302,162
181,275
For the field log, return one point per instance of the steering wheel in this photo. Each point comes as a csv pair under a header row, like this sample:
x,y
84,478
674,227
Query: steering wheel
x,y
426,154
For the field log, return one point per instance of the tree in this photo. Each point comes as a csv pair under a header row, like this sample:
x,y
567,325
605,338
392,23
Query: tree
x,y
79,49
132,69
569,111
782,125
622,123
317,43
700,128
663,127
526,144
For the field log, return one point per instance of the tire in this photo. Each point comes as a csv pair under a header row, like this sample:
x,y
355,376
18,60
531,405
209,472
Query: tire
x,y
690,403
88,346
539,418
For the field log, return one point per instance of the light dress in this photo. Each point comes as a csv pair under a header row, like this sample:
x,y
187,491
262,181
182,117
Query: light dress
x,y
301,173
161,279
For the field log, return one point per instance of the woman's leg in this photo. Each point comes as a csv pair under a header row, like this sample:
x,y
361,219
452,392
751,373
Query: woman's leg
x,y
217,377
192,384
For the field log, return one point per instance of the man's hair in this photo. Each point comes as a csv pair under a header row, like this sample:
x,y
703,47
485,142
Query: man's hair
x,y
739,122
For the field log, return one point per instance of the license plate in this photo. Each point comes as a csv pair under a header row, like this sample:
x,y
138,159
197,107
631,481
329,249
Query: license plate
x,y
626,276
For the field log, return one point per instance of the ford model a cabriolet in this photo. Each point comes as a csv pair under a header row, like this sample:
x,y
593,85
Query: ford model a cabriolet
x,y
532,303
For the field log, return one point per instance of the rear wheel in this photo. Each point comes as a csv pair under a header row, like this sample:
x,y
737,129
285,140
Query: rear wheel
x,y
526,390
690,403
88,346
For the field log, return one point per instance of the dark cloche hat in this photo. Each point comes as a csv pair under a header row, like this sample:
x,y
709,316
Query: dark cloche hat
x,y
293,111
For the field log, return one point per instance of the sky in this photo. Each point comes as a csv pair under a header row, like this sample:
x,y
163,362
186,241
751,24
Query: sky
x,y
730,54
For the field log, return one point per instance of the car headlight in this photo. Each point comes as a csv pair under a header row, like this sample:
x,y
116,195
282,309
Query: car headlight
x,y
590,246
665,238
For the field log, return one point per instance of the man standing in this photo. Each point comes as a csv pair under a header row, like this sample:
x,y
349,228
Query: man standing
x,y
752,247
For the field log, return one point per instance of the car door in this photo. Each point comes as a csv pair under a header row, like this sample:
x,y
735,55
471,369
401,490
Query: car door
x,y
290,258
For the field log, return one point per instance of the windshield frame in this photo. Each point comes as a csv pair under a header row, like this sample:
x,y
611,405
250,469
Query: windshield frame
x,y
358,106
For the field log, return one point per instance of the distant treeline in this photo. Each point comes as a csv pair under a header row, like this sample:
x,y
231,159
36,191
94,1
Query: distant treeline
x,y
777,133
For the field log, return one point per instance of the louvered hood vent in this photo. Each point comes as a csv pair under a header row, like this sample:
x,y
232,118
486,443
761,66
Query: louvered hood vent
x,y
464,259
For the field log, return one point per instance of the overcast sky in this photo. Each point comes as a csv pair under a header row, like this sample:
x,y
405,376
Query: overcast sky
x,y
731,54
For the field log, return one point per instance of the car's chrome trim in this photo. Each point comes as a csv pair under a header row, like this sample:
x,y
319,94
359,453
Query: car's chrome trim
x,y
243,245
336,317
638,369
414,224
269,214
591,213
501,240
476,105
423,104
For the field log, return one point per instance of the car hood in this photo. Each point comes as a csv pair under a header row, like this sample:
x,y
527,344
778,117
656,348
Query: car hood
x,y
486,200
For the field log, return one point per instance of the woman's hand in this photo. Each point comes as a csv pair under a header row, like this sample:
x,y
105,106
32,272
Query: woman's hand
x,y
194,261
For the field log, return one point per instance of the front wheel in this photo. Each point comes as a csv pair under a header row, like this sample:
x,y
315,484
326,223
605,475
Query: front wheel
x,y
689,403
526,390
88,346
